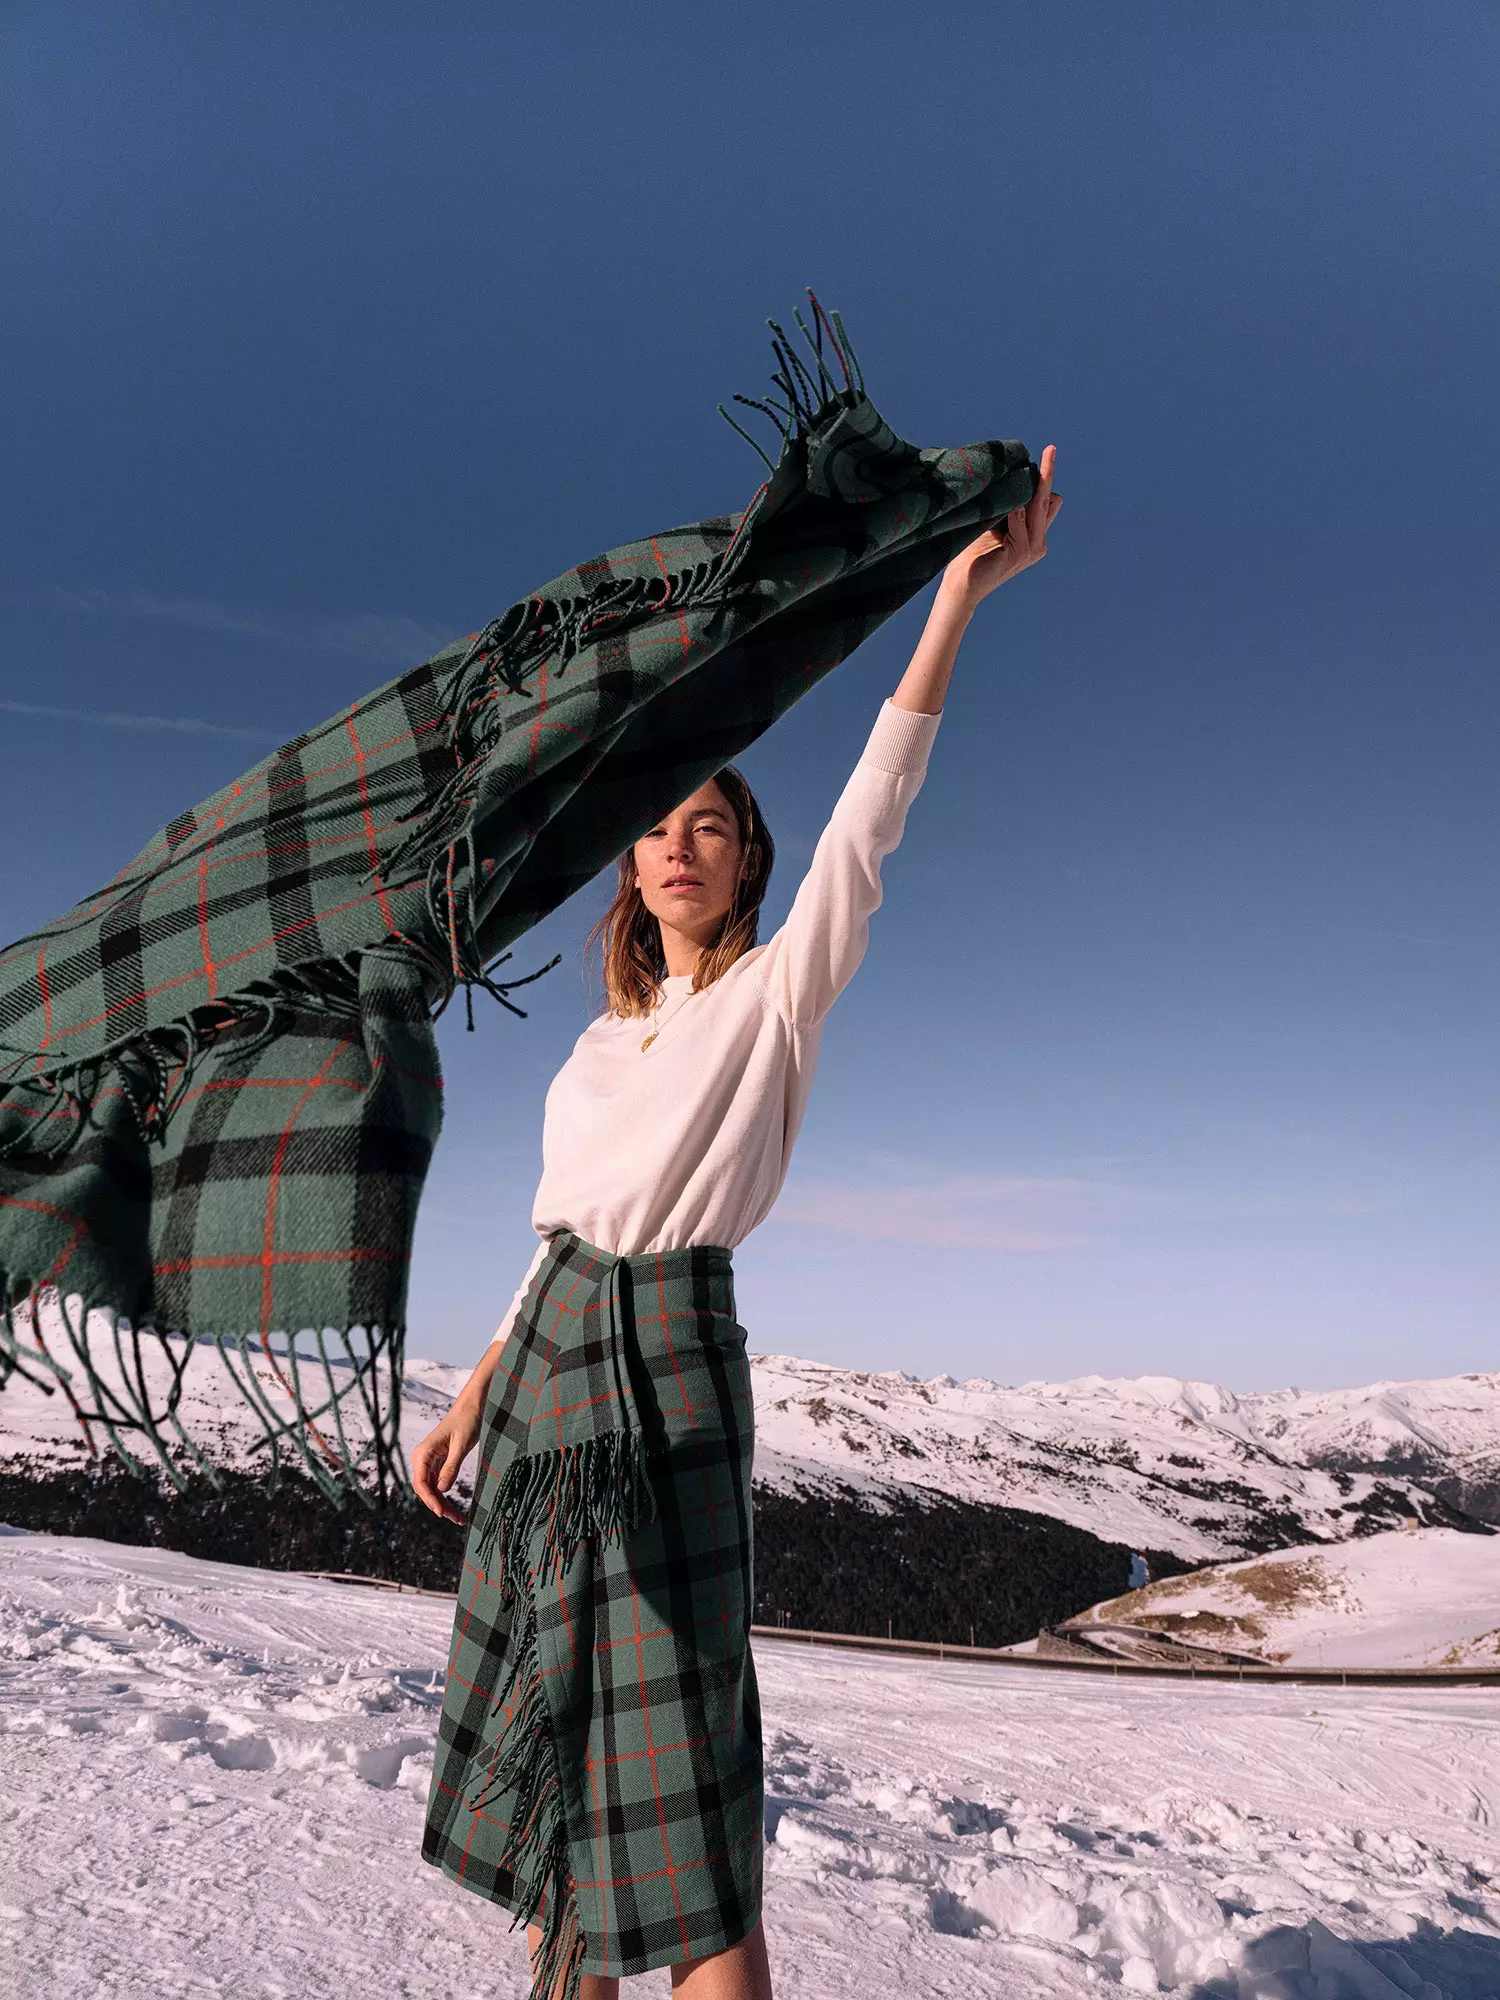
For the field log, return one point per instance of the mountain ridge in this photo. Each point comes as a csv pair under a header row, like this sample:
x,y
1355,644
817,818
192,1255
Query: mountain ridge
x,y
1193,1469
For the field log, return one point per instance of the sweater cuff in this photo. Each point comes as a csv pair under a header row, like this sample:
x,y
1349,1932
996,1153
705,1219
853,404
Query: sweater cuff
x,y
901,741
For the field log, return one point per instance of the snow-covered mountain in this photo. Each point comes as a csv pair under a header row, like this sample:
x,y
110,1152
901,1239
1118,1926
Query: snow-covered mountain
x,y
1185,1467
1447,1432
1426,1598
1188,1467
40,1434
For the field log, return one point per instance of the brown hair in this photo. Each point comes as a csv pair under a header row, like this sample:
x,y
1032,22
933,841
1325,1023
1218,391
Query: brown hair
x,y
629,937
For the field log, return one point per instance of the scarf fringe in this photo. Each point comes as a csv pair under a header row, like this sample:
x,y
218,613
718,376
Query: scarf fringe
x,y
53,1110
439,849
154,1071
558,1971
598,1489
535,1854
511,650
807,395
545,1508
362,1374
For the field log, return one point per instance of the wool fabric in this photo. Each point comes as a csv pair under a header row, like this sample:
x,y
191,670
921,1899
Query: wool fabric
x,y
598,1767
219,1087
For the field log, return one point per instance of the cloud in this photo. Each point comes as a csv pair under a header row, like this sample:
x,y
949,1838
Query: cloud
x,y
104,718
384,639
1306,1205
904,1201
1023,1216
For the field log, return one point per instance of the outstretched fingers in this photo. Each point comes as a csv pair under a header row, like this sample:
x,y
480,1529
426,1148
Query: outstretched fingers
x,y
1039,508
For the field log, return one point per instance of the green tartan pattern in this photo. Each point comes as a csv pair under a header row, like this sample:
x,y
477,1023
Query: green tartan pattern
x,y
599,1757
219,1088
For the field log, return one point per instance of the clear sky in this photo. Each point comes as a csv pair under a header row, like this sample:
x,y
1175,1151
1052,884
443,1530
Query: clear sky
x,y
332,329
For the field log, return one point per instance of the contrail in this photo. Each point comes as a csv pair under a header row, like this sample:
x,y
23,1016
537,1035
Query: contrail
x,y
382,638
104,718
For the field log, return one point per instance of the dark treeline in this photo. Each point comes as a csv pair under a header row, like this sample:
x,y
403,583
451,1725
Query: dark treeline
x,y
922,1570
937,1569
240,1522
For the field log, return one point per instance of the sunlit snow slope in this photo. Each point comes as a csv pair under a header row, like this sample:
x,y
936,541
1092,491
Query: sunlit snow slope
x,y
1428,1598
214,1781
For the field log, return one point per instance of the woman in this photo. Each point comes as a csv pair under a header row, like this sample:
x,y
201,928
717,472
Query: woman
x,y
599,1763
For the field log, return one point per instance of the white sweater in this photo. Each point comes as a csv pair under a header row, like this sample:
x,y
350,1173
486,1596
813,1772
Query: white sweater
x,y
688,1141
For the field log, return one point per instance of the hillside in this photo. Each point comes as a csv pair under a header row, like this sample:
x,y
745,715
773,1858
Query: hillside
x,y
1184,1466
1189,1469
1428,1598
920,1564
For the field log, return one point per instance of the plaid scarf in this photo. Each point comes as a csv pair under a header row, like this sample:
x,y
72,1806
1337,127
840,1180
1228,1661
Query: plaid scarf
x,y
598,1768
219,1086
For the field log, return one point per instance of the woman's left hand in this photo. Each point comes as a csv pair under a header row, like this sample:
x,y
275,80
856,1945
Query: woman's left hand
x,y
1007,547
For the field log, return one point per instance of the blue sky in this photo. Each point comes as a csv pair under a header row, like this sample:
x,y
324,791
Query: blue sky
x,y
331,330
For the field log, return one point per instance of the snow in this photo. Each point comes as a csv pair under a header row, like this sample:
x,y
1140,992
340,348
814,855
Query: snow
x,y
215,1777
1457,1419
38,1428
1428,1598
1189,1467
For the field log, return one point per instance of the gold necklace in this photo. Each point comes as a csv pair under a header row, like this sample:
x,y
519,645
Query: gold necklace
x,y
656,1017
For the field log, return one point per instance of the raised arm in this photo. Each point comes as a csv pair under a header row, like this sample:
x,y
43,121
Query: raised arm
x,y
818,950
1000,553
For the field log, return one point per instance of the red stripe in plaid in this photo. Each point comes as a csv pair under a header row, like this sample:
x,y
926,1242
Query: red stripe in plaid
x,y
642,1644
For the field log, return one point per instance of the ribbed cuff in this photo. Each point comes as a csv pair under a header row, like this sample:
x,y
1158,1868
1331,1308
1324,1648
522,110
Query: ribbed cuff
x,y
901,741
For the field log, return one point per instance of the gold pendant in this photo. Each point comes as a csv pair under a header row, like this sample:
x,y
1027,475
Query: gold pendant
x,y
649,1040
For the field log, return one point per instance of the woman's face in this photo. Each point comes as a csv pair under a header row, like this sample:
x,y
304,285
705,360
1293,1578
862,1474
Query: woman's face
x,y
689,864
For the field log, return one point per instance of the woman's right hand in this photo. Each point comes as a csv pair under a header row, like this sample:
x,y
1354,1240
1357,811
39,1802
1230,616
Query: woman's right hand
x,y
437,1460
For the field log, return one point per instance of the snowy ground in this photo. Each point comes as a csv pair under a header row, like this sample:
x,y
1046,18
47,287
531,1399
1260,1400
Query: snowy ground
x,y
213,1785
1426,1597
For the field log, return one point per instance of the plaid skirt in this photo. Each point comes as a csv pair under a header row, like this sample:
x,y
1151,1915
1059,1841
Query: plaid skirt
x,y
599,1767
